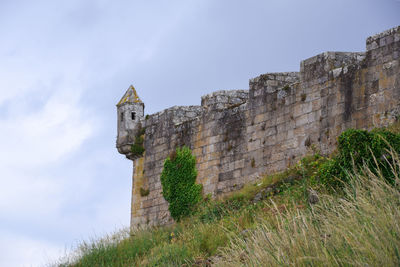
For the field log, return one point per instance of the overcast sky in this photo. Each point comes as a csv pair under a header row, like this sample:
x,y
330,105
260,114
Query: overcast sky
x,y
65,64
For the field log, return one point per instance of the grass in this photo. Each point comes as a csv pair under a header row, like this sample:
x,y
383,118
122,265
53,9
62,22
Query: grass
x,y
358,229
356,226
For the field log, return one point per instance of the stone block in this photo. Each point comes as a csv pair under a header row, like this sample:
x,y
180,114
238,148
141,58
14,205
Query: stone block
x,y
303,119
157,185
297,110
254,145
212,156
290,133
282,119
237,174
307,107
270,131
203,166
209,189
251,129
239,164
259,118
314,116
277,156
213,162
291,143
299,131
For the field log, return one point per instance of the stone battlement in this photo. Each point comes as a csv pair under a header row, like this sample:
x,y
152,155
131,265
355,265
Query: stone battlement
x,y
239,135
176,115
224,99
383,39
317,69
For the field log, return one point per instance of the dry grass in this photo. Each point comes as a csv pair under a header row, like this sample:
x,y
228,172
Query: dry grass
x,y
362,228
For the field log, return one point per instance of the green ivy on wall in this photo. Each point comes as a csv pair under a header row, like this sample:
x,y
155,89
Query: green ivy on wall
x,y
178,180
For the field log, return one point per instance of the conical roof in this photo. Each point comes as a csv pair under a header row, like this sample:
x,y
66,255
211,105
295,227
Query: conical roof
x,y
130,96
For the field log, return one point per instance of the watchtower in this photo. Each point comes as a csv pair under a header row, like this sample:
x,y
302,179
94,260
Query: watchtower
x,y
130,111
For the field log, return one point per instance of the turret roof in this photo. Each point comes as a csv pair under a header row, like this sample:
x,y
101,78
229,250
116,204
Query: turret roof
x,y
130,96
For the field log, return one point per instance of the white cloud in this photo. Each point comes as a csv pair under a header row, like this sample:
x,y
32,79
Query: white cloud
x,y
35,138
17,250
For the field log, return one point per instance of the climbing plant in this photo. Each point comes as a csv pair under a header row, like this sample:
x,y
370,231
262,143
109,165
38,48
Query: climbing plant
x,y
178,180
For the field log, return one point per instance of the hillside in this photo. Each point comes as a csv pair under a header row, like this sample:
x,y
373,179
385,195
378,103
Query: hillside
x,y
321,211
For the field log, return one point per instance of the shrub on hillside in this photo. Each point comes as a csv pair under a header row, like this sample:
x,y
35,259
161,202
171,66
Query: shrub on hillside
x,y
178,180
360,147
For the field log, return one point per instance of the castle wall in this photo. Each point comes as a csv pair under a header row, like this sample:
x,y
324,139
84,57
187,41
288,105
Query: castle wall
x,y
239,135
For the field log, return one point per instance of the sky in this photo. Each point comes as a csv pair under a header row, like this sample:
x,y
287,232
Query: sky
x,y
65,64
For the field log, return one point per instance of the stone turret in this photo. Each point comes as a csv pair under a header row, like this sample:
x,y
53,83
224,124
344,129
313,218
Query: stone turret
x,y
130,111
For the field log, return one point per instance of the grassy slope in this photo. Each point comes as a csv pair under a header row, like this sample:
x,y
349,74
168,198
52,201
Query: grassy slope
x,y
356,226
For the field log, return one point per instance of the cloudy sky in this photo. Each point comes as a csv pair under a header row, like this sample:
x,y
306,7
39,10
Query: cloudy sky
x,y
65,64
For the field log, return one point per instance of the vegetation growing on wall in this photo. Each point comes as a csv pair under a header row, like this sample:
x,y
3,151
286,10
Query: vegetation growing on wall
x,y
137,147
357,148
144,192
178,180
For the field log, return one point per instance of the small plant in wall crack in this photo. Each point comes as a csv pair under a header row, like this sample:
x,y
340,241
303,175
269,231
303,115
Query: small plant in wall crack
x,y
137,147
286,88
253,163
144,192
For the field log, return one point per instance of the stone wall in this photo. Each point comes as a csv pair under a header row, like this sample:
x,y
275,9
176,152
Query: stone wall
x,y
239,135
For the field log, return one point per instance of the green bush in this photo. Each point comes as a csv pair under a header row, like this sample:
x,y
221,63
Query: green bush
x,y
309,166
360,147
215,210
178,180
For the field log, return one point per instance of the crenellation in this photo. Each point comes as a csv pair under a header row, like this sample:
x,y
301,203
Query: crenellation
x,y
224,99
384,38
327,66
237,136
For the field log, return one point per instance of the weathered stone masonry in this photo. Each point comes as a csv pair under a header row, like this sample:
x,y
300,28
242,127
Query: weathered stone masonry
x,y
239,135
